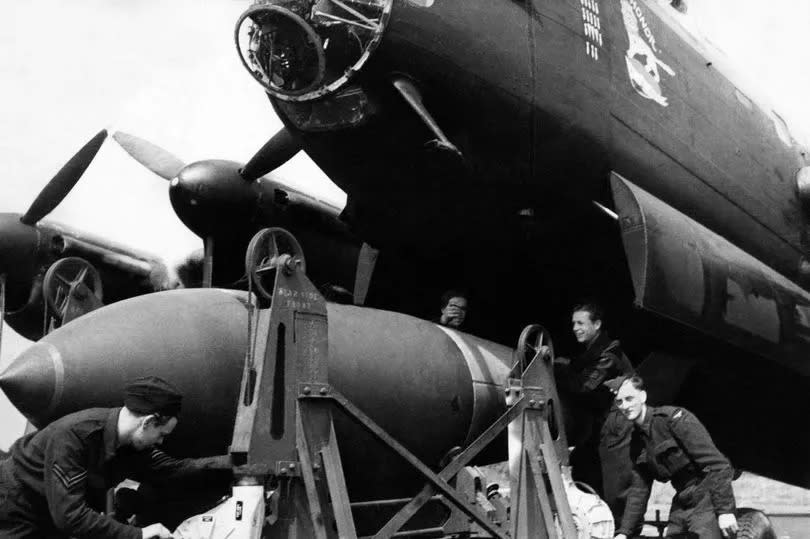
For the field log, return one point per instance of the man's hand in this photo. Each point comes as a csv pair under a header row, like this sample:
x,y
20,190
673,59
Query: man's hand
x,y
620,536
158,531
728,524
560,360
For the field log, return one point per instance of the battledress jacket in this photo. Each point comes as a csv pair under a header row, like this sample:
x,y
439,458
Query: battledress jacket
x,y
73,461
602,360
673,445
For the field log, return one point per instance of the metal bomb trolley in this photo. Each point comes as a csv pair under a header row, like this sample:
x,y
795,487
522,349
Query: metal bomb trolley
x,y
290,479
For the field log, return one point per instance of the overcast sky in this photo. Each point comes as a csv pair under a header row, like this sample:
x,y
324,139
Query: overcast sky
x,y
169,72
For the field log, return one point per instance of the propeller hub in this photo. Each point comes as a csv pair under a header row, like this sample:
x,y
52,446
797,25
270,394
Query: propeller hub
x,y
210,197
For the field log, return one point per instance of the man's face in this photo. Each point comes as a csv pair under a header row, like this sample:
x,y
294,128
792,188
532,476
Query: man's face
x,y
585,329
149,433
630,401
454,312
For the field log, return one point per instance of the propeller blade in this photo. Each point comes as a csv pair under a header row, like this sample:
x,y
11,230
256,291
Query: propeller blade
x,y
208,262
276,151
2,308
366,260
64,180
153,157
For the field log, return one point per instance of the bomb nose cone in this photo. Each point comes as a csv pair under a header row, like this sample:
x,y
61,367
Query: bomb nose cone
x,y
32,382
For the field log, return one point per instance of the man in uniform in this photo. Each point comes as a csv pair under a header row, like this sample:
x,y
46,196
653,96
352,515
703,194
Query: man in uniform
x,y
585,383
454,309
670,444
54,482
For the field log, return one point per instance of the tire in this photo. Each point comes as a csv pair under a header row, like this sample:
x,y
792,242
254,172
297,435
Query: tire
x,y
753,524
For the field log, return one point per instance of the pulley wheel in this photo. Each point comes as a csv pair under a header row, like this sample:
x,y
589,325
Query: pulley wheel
x,y
270,250
70,278
532,339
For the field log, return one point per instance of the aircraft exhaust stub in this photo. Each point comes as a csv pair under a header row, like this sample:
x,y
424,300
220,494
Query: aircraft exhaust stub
x,y
300,50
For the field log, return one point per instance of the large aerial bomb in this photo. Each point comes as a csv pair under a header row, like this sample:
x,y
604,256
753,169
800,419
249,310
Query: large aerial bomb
x,y
430,387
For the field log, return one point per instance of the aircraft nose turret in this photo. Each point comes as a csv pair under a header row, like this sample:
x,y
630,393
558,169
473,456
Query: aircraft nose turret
x,y
301,52
34,380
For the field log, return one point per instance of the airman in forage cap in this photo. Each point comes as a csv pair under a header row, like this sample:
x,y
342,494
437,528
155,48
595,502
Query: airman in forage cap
x,y
55,480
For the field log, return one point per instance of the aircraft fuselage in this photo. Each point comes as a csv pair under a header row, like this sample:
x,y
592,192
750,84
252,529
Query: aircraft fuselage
x,y
544,98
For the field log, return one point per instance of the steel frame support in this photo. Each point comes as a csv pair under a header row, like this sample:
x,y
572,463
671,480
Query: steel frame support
x,y
285,432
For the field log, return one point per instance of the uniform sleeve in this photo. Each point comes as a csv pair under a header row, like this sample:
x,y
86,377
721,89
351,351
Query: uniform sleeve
x,y
65,482
592,378
611,361
161,467
636,504
698,444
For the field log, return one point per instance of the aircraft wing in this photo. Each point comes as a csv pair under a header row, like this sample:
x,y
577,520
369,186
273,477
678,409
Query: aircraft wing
x,y
108,255
76,273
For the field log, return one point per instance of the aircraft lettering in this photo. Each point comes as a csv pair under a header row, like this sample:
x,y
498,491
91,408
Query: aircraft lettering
x,y
642,62
647,32
751,311
592,27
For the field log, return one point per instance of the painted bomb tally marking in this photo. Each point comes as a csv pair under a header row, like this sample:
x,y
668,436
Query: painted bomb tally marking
x,y
641,59
592,27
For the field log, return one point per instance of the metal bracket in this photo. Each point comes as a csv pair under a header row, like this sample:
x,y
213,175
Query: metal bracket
x,y
312,390
285,427
288,468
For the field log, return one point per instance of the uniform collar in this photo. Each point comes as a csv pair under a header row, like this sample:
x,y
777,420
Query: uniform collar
x,y
645,425
598,344
111,434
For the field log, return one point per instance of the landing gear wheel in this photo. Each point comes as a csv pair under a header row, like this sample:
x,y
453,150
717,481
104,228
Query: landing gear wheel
x,y
532,339
753,524
272,249
67,278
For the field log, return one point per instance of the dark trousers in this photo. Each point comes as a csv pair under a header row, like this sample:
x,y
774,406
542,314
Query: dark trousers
x,y
692,511
617,466
23,515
